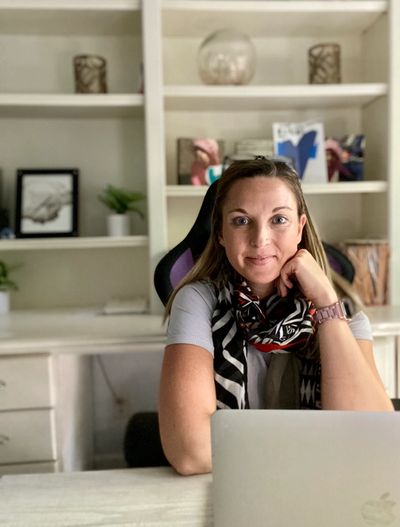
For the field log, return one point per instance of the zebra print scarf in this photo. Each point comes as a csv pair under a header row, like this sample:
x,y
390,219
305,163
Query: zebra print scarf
x,y
274,325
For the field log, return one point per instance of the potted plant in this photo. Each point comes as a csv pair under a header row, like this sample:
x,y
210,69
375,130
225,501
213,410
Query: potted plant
x,y
120,202
6,285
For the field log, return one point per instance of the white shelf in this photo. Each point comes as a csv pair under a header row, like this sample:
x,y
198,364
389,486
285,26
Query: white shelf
x,y
348,187
75,17
258,98
70,5
351,187
95,242
183,18
71,105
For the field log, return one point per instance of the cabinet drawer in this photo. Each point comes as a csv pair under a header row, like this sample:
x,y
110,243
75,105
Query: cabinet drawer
x,y
25,382
27,435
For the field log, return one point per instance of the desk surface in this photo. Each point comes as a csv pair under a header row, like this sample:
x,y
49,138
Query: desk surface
x,y
87,331
79,331
127,497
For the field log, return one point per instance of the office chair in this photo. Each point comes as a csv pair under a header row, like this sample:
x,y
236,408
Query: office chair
x,y
339,262
142,444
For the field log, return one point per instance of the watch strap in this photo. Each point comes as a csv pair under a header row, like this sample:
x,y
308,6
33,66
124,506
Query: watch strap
x,y
335,310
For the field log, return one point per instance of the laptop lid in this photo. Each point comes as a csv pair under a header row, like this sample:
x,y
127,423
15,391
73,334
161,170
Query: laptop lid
x,y
286,468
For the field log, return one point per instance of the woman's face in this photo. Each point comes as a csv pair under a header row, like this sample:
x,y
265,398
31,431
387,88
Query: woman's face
x,y
260,230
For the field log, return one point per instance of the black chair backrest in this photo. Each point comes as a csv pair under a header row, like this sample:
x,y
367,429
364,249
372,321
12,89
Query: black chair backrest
x,y
339,262
179,260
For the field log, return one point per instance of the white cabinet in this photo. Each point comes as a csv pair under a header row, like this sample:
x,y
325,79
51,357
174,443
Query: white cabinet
x,y
45,413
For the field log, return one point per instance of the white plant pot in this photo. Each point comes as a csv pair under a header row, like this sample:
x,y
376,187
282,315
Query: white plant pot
x,y
4,302
118,225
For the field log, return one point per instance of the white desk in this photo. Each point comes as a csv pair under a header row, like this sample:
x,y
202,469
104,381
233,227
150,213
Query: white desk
x,y
78,331
129,497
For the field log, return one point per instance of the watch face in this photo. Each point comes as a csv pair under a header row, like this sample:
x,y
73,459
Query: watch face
x,y
347,307
343,309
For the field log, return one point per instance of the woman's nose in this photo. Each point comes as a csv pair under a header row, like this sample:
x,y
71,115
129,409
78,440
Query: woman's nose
x,y
260,236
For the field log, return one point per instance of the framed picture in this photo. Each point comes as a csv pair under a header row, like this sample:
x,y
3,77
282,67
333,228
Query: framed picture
x,y
47,203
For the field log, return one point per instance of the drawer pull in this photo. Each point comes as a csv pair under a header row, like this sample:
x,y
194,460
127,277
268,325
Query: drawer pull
x,y
3,384
3,439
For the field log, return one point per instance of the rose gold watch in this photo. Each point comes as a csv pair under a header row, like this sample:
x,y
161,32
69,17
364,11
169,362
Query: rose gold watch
x,y
336,310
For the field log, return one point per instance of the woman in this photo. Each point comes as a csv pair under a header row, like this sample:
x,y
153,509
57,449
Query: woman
x,y
257,323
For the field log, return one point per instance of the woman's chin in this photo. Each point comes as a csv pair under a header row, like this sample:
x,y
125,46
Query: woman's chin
x,y
261,286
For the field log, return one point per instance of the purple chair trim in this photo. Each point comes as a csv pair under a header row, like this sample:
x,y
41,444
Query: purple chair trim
x,y
181,267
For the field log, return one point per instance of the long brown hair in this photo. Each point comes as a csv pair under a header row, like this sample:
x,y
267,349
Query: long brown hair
x,y
213,264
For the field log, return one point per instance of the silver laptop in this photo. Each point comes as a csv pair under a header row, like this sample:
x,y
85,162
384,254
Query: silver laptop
x,y
283,468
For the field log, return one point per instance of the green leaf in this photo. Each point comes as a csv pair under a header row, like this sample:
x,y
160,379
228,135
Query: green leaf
x,y
121,200
6,283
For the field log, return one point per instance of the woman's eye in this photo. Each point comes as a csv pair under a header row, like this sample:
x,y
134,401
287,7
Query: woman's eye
x,y
241,220
279,220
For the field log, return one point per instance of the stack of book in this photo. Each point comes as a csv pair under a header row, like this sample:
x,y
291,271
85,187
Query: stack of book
x,y
248,148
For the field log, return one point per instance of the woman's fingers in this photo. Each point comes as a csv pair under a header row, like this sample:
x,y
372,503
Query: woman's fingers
x,y
303,270
283,285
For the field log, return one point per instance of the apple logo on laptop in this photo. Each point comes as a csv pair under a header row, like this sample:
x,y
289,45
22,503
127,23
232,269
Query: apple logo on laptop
x,y
379,512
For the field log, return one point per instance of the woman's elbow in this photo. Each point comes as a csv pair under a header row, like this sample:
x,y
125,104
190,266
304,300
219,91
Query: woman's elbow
x,y
188,463
188,453
190,466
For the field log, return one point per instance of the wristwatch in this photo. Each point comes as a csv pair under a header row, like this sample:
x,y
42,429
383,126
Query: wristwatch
x,y
336,310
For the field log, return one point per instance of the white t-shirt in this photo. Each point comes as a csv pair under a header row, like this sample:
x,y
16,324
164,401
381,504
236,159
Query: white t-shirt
x,y
190,323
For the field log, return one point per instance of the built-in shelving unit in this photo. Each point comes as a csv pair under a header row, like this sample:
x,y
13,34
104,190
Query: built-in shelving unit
x,y
44,123
130,139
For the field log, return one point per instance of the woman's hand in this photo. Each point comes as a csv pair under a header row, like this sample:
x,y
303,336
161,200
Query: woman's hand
x,y
302,270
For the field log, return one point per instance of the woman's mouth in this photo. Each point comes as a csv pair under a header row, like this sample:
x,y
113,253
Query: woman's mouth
x,y
259,260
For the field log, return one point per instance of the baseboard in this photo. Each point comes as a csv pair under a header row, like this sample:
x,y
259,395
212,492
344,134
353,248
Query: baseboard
x,y
109,461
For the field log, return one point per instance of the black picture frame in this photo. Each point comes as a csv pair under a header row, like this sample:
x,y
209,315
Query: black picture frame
x,y
47,202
